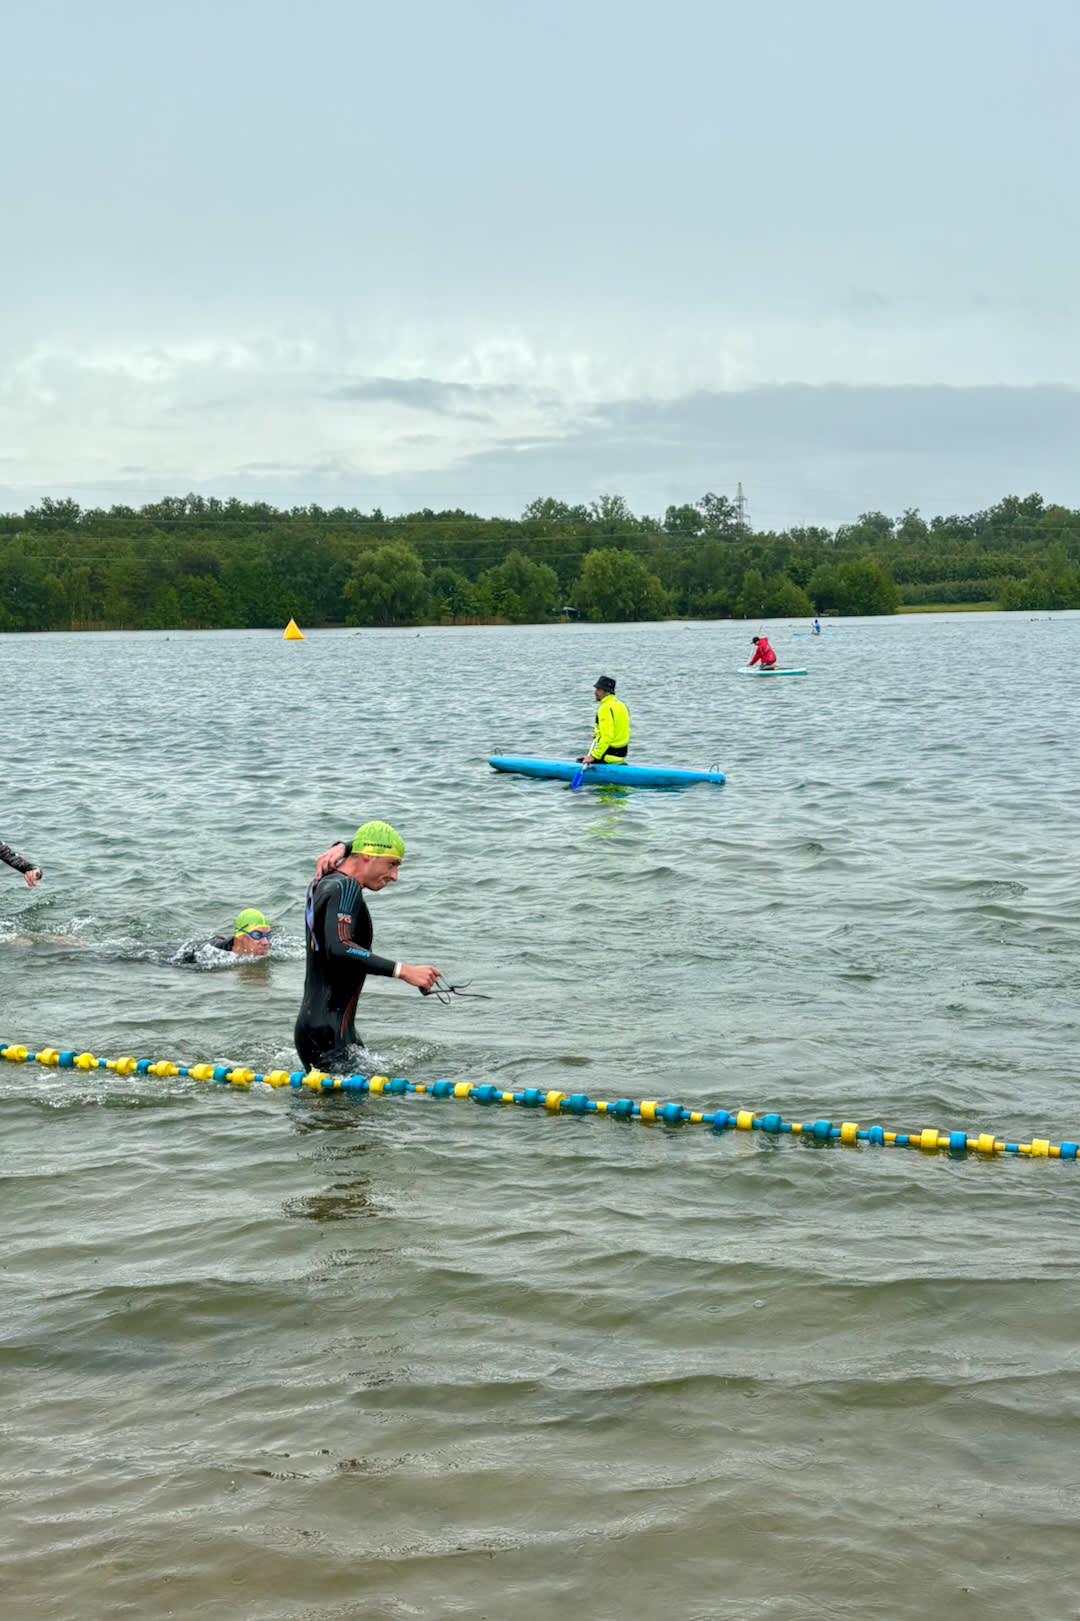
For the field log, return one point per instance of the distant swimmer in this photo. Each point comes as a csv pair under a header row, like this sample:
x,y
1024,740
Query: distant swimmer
x,y
250,938
611,734
764,652
338,933
29,870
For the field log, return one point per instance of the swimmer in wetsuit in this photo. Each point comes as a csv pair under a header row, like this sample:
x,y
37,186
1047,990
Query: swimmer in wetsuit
x,y
338,933
31,873
250,939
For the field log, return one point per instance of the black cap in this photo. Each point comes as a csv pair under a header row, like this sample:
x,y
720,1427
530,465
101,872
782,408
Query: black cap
x,y
604,683
755,638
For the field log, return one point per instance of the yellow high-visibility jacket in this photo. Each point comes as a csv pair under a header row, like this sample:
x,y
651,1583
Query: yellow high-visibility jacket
x,y
612,730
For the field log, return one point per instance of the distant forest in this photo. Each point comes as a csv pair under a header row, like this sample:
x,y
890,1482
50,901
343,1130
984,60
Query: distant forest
x,y
193,562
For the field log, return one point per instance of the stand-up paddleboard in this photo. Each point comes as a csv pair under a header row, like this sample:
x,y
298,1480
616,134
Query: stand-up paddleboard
x,y
602,776
769,674
816,634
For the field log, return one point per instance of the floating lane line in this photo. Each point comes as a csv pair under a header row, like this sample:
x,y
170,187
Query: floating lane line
x,y
649,1110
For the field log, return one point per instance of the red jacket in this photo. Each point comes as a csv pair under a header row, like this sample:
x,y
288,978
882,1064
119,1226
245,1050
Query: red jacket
x,y
763,652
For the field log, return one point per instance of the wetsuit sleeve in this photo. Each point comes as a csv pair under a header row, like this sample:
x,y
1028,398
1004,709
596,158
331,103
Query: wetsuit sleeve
x,y
189,950
8,854
339,930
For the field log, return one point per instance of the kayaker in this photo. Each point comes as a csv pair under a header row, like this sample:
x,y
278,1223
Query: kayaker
x,y
250,938
762,652
30,872
337,934
611,735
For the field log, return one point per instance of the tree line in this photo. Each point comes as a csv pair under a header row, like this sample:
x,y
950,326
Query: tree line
x,y
198,562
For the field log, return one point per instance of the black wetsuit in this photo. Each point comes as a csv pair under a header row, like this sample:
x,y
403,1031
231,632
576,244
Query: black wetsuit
x,y
189,951
18,862
338,932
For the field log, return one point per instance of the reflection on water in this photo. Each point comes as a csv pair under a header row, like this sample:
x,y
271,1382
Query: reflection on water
x,y
340,1201
613,800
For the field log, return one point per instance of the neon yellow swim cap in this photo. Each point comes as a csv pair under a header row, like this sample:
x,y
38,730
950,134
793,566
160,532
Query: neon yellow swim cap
x,y
248,920
378,839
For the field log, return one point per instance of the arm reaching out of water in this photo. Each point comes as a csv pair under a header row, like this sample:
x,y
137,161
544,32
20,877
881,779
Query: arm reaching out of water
x,y
31,873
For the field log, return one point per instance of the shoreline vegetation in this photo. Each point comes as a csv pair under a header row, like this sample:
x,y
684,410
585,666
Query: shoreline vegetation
x,y
198,563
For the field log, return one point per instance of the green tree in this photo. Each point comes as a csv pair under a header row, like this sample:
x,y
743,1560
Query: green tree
x,y
613,517
684,520
721,516
521,591
857,585
52,514
165,611
616,585
387,587
452,594
785,600
203,602
869,529
752,595
1057,585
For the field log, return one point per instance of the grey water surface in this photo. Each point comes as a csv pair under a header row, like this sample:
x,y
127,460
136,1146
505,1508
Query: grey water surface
x,y
274,1355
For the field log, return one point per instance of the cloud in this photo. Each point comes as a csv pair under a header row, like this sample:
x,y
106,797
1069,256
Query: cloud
x,y
490,422
429,394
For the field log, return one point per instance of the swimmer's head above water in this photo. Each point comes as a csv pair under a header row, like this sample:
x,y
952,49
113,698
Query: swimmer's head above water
x,y
252,937
377,852
372,856
378,839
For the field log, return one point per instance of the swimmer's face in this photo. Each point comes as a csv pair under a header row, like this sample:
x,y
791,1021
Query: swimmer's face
x,y
380,871
252,945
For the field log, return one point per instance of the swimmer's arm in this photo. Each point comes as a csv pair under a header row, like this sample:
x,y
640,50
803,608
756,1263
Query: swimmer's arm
x,y
339,941
422,976
29,871
372,963
331,859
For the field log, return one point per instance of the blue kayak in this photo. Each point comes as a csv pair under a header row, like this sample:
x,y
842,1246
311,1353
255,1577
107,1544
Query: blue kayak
x,y
602,776
767,674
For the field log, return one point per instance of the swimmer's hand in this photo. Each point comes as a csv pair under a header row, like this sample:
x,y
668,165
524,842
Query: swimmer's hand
x,y
423,976
329,860
32,877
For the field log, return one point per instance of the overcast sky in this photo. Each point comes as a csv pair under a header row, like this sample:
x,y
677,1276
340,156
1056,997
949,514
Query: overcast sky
x,y
469,252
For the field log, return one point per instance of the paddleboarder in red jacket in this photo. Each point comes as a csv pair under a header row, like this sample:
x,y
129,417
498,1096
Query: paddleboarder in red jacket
x,y
764,652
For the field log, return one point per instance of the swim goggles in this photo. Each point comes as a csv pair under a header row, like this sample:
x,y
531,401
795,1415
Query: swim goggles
x,y
442,992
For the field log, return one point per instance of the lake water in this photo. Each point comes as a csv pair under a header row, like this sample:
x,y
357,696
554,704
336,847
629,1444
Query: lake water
x,y
290,1356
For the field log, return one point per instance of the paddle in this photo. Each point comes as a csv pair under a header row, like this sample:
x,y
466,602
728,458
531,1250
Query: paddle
x,y
579,777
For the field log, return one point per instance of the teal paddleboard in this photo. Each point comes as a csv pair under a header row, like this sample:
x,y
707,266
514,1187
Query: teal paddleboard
x,y
767,675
